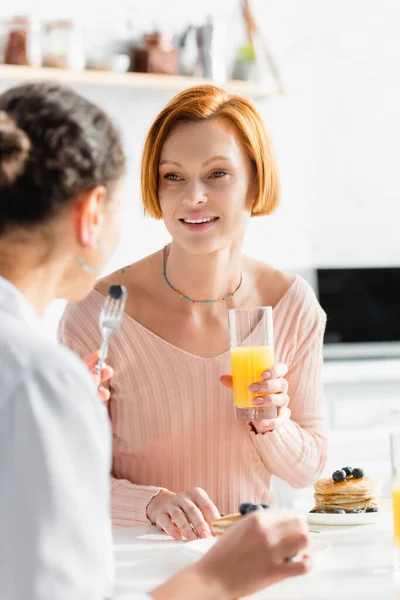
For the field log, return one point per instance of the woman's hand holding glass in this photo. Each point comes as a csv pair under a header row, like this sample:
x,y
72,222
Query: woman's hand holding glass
x,y
272,390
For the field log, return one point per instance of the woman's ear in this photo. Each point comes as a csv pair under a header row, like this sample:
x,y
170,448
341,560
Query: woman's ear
x,y
89,215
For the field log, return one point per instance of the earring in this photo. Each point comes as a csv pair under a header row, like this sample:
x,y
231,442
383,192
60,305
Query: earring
x,y
96,270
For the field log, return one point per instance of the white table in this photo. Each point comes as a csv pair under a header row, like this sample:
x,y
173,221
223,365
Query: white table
x,y
358,565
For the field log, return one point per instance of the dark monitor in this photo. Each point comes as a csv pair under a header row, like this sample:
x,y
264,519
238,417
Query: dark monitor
x,y
362,304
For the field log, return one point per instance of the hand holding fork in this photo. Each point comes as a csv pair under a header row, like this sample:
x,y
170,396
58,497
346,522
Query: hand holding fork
x,y
109,322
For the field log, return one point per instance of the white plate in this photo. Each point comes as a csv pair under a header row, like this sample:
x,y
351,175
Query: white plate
x,y
341,520
200,547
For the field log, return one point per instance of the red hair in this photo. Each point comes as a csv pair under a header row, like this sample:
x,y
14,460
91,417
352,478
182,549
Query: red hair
x,y
209,102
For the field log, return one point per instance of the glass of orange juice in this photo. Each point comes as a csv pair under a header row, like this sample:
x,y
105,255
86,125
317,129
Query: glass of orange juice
x,y
252,353
395,460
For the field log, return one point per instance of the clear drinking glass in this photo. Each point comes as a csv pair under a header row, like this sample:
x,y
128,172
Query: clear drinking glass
x,y
395,461
252,353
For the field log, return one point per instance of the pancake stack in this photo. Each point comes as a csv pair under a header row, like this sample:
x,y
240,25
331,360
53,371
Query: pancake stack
x,y
350,495
220,526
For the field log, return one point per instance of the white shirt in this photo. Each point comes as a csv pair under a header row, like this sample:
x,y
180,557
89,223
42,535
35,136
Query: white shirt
x,y
55,457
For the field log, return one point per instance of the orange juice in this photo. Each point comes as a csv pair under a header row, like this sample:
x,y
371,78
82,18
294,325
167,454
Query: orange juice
x,y
396,511
247,366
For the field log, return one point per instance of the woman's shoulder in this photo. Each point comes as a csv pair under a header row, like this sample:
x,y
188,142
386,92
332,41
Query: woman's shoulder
x,y
301,311
291,294
301,293
137,277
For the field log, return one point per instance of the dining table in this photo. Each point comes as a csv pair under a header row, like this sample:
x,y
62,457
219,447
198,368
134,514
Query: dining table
x,y
349,563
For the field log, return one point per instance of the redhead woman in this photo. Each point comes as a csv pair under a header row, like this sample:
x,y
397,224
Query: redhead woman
x,y
180,457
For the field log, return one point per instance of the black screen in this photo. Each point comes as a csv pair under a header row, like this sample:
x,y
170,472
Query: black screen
x,y
362,305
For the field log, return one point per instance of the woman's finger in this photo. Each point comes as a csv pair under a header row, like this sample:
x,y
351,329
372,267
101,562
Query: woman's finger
x,y
164,522
294,539
293,569
106,373
281,419
272,400
273,386
195,517
279,370
91,361
205,504
267,426
180,519
104,394
227,381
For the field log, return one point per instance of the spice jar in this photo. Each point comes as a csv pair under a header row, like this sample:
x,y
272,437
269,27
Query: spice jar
x,y
22,46
64,46
155,55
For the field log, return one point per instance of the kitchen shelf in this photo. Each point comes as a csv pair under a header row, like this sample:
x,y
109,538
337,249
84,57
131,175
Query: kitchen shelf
x,y
136,81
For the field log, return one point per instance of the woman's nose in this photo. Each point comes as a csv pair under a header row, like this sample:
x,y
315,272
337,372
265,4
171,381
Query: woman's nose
x,y
194,194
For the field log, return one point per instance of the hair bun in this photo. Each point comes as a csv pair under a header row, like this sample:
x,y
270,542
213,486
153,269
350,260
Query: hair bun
x,y
14,150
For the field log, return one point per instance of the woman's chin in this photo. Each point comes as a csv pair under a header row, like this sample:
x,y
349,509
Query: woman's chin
x,y
205,243
201,246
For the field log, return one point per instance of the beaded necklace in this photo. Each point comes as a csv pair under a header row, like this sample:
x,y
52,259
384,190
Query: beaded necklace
x,y
184,297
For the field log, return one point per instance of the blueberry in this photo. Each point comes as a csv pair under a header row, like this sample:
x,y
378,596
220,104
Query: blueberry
x,y
358,473
372,509
244,507
314,510
266,506
249,507
320,511
356,510
339,476
347,470
254,508
339,511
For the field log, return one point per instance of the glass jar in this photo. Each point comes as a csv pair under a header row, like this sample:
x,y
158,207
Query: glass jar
x,y
22,42
64,46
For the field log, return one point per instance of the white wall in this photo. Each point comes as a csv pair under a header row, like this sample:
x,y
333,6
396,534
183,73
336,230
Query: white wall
x,y
336,131
357,121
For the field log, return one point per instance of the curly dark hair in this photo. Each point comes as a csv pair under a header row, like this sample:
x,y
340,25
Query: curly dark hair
x,y
54,145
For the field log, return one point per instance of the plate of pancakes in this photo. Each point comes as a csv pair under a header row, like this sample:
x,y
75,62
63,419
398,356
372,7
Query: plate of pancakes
x,y
349,497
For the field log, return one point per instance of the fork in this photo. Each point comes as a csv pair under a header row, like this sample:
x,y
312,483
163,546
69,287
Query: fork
x,y
109,321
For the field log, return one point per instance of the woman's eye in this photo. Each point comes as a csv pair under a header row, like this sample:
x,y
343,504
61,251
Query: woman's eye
x,y
171,176
218,174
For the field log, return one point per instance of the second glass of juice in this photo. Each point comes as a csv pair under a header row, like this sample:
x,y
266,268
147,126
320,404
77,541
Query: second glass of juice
x,y
252,353
395,463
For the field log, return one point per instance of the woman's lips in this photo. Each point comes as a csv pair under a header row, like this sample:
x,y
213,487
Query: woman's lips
x,y
199,226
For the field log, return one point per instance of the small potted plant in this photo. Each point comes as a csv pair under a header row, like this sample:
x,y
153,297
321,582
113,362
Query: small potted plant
x,y
245,64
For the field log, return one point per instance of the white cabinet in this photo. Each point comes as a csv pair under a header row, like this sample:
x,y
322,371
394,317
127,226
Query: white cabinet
x,y
363,394
363,399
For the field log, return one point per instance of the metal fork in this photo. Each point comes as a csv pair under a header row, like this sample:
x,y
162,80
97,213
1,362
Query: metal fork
x,y
110,320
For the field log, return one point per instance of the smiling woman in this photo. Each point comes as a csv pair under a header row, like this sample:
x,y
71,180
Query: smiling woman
x,y
180,457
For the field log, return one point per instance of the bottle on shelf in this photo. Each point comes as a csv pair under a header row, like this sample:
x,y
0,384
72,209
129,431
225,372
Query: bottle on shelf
x,y
22,42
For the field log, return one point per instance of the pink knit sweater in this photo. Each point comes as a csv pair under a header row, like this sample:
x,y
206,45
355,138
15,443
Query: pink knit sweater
x,y
172,420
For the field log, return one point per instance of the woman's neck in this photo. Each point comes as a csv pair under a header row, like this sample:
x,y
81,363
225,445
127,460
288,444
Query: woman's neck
x,y
204,276
38,280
